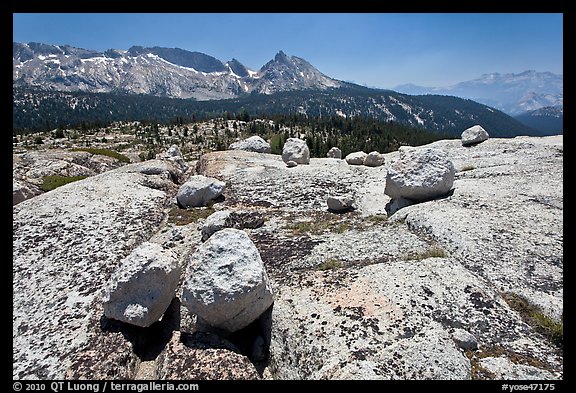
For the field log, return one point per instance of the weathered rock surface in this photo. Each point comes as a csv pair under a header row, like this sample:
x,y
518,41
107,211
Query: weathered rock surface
x,y
29,169
503,368
398,297
356,158
296,150
203,356
199,190
253,143
143,286
66,245
474,135
374,159
334,152
420,175
226,282
389,309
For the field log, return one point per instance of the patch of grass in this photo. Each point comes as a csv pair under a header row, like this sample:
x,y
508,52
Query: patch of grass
x,y
51,182
432,252
377,218
307,227
467,168
179,216
330,264
532,314
105,152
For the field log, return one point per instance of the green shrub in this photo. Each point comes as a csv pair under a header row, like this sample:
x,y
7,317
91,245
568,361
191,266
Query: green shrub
x,y
52,182
105,152
330,264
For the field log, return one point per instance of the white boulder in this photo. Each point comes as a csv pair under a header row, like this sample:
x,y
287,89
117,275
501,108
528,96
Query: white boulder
x,y
374,159
254,143
226,284
296,150
420,175
474,135
334,152
143,286
356,158
199,190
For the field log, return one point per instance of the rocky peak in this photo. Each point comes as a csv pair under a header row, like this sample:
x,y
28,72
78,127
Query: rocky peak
x,y
238,68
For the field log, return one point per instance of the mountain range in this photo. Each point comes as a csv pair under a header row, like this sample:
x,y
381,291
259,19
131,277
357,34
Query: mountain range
x,y
164,72
511,93
61,84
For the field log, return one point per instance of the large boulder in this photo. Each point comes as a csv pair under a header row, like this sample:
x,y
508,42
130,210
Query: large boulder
x,y
296,150
356,158
474,135
199,190
226,283
254,143
334,152
420,175
374,159
143,287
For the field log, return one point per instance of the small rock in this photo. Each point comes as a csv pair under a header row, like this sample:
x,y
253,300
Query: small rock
x,y
420,175
339,203
214,222
296,150
334,152
474,135
465,340
291,164
143,286
374,159
199,190
356,158
254,143
226,283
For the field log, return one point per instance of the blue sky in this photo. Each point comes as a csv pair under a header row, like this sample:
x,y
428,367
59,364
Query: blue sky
x,y
376,50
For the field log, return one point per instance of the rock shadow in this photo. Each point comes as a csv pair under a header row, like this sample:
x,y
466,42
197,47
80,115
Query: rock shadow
x,y
147,342
253,341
